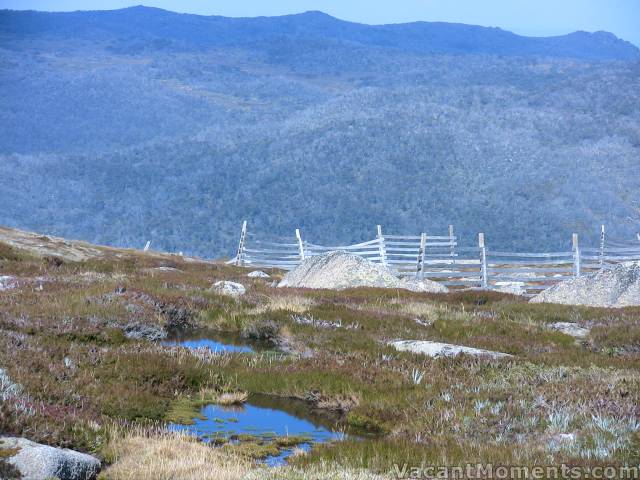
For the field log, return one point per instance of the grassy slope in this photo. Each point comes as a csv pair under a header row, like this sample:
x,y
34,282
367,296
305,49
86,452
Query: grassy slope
x,y
61,339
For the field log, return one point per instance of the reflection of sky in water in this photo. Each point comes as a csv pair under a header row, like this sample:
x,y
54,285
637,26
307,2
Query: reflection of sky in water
x,y
260,421
211,344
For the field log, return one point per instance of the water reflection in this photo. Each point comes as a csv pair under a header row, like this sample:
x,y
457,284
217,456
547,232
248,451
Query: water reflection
x,y
266,417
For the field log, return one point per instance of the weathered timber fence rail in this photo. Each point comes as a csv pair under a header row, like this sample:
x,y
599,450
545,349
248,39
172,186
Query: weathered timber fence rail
x,y
440,258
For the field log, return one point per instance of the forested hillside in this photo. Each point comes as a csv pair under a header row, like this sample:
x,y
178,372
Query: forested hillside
x,y
137,124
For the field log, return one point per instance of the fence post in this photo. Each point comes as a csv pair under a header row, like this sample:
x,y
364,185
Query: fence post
x,y
240,253
421,252
453,248
300,244
381,246
576,255
601,246
483,261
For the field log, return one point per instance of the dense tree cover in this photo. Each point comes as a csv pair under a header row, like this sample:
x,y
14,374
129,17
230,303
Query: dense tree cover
x,y
139,124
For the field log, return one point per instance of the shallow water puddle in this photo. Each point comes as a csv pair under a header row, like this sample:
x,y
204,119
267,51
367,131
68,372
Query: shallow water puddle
x,y
266,420
214,341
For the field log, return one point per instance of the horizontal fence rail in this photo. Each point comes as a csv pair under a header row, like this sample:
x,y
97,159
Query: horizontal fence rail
x,y
441,259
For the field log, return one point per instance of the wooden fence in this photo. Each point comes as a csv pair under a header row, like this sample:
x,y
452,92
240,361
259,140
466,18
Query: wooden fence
x,y
440,258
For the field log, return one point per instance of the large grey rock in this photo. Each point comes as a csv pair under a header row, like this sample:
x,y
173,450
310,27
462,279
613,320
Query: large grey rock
x,y
225,287
437,349
38,462
339,270
617,287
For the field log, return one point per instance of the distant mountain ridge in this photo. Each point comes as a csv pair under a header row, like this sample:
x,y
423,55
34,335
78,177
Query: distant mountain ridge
x,y
124,126
208,31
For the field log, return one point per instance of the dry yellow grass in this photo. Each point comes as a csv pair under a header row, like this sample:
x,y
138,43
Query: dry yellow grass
x,y
290,303
424,310
170,456
161,455
428,311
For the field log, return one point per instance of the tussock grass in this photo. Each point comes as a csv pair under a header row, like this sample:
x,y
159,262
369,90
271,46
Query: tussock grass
x,y
154,454
418,309
187,408
169,456
232,398
288,303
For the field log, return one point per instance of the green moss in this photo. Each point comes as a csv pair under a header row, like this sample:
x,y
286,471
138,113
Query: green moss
x,y
245,437
184,412
291,441
364,423
254,450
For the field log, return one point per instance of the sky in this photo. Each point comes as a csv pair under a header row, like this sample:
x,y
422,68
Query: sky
x,y
525,17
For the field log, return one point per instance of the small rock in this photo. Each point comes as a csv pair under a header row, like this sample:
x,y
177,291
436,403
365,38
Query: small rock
x,y
570,328
427,286
68,363
423,322
139,331
566,437
7,282
8,389
37,462
225,287
120,290
437,349
514,288
316,322
258,274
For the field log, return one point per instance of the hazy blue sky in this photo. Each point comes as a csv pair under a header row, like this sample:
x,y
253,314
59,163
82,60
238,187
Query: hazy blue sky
x,y
526,17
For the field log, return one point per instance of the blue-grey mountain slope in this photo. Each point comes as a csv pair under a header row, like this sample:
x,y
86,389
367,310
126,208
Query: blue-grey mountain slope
x,y
135,124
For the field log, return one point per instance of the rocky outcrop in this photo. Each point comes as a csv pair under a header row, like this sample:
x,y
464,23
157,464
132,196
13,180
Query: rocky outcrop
x,y
437,349
616,287
178,319
232,289
35,461
339,270
8,389
140,331
49,247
